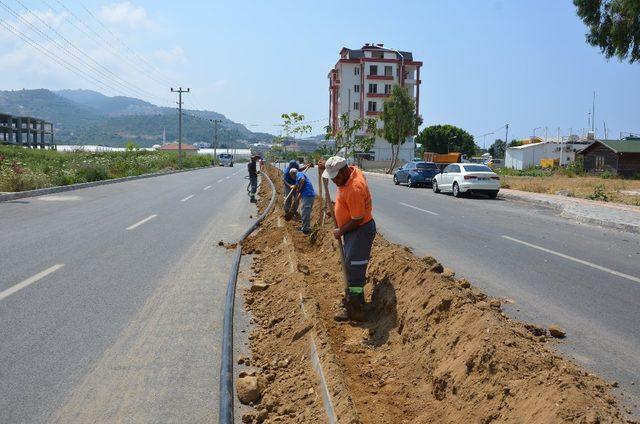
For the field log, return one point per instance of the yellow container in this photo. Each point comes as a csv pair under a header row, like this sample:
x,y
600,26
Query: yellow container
x,y
549,163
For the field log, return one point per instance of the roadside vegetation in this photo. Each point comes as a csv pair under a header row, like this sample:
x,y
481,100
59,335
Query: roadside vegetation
x,y
572,181
28,169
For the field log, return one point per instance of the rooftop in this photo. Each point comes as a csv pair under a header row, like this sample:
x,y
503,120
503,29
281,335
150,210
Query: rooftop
x,y
619,146
359,53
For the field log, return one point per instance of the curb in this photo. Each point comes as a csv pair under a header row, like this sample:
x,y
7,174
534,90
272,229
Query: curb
x,y
58,189
567,213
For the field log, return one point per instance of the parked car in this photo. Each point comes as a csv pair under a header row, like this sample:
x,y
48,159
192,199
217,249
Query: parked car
x,y
416,173
225,159
462,178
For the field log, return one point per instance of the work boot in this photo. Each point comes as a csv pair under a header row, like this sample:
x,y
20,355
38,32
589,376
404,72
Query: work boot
x,y
355,310
253,199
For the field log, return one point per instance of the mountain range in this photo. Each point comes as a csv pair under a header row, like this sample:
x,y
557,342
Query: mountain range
x,y
89,117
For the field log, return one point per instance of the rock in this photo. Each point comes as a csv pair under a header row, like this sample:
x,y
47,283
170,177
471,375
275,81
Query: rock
x,y
556,331
437,268
429,260
614,384
256,287
448,273
509,343
464,283
262,415
311,392
303,269
495,303
535,330
248,417
300,333
248,389
221,243
241,360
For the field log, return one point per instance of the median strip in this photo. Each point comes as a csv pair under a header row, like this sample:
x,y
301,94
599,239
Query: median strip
x,y
139,223
417,208
571,258
39,276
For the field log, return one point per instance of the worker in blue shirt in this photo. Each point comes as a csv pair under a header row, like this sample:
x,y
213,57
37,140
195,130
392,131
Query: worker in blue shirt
x,y
306,196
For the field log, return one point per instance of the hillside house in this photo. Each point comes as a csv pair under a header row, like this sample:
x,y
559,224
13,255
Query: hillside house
x,y
619,157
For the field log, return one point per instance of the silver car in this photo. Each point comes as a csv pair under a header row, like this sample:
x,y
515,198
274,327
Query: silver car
x,y
463,178
225,159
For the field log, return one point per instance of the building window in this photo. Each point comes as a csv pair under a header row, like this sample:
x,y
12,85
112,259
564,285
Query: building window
x,y
372,106
373,88
377,55
356,88
599,163
387,89
356,105
356,70
373,69
388,71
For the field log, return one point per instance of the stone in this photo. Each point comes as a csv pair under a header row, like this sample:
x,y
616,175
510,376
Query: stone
x,y
221,243
448,273
258,287
464,283
248,389
495,303
535,330
556,331
437,268
303,269
614,384
248,417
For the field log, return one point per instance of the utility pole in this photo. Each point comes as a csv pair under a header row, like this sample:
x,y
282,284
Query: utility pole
x,y
215,138
593,114
506,140
180,91
561,146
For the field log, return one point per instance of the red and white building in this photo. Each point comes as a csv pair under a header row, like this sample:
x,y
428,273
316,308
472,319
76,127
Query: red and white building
x,y
361,81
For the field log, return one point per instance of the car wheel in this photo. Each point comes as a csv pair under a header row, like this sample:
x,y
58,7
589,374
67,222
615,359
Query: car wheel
x,y
409,182
434,187
493,194
456,190
395,180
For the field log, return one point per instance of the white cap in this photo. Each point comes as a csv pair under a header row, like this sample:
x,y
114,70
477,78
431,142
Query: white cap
x,y
332,166
293,171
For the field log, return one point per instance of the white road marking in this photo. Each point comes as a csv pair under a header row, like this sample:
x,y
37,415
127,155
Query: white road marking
x,y
39,276
220,180
58,198
421,210
207,188
139,223
187,198
571,258
227,178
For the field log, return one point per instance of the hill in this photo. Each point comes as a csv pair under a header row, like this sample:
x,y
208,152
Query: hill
x,y
89,117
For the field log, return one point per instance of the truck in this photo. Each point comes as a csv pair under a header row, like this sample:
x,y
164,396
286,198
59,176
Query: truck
x,y
443,159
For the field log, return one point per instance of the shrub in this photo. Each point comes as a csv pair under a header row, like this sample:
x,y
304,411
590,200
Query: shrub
x,y
606,175
599,194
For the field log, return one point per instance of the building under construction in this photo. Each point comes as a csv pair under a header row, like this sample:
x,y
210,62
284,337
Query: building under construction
x,y
26,131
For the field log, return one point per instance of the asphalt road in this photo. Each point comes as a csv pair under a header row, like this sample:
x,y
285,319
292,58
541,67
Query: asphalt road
x,y
111,299
555,270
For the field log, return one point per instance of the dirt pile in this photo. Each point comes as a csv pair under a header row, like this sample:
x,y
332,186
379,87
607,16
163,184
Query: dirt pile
x,y
434,348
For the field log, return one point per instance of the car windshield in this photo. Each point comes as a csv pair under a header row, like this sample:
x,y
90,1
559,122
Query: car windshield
x,y
426,166
225,156
477,168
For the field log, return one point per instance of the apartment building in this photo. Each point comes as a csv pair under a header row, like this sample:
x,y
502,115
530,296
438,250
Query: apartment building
x,y
360,82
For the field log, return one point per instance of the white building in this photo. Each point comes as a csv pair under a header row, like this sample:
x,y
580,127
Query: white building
x,y
362,79
529,155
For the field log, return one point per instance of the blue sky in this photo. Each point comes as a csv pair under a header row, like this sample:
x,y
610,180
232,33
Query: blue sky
x,y
486,63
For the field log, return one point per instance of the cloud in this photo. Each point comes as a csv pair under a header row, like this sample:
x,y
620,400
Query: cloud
x,y
127,15
174,56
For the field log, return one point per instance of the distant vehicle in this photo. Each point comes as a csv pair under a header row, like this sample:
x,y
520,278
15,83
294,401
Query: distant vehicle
x,y
463,178
495,163
416,173
225,159
443,159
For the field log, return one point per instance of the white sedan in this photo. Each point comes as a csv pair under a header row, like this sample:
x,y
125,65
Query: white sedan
x,y
461,178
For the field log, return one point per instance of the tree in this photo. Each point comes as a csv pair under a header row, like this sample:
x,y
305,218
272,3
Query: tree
x,y
349,135
446,139
400,121
497,149
292,126
614,26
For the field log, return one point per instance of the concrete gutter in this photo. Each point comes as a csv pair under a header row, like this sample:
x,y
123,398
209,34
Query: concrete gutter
x,y
5,197
609,215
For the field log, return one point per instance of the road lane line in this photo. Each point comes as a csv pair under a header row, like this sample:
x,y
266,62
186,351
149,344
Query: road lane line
x,y
220,180
137,224
186,198
207,188
39,276
227,178
421,210
571,258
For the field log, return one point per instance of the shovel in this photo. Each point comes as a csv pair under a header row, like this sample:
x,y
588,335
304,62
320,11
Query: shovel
x,y
327,197
289,213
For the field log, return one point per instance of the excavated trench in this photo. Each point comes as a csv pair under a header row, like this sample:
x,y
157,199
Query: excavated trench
x,y
434,349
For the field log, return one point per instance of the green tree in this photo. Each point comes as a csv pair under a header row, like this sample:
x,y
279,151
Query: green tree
x,y
446,139
497,149
349,135
400,121
614,26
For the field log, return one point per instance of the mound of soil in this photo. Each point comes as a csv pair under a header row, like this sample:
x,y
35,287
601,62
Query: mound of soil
x,y
433,349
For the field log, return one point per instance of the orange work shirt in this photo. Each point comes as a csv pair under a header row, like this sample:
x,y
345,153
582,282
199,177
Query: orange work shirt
x,y
353,200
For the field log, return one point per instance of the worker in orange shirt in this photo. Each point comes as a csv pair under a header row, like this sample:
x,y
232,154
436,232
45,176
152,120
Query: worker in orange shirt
x,y
357,228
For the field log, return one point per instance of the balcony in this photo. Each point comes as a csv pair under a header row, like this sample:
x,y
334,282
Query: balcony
x,y
377,95
373,112
380,77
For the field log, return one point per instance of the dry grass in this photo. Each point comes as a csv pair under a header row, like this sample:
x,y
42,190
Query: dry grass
x,y
576,186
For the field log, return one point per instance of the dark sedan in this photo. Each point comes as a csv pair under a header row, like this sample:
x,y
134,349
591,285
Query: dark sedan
x,y
416,173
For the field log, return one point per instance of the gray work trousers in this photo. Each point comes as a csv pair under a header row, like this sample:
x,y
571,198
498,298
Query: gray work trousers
x,y
253,180
306,206
357,251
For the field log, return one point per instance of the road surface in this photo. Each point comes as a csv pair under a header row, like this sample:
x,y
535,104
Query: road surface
x,y
555,270
111,299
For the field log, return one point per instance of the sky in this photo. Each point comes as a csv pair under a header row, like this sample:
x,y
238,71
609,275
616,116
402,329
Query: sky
x,y
486,62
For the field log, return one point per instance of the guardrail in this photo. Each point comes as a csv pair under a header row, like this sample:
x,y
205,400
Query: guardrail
x,y
226,360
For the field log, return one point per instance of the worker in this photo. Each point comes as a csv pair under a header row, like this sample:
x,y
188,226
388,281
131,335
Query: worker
x,y
289,182
253,177
355,225
305,196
